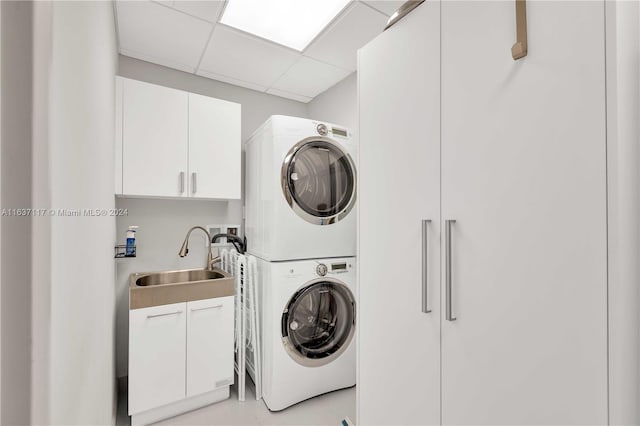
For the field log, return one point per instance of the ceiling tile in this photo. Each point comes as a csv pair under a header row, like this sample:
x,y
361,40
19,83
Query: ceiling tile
x,y
385,6
309,77
175,33
288,95
160,34
231,80
245,57
338,45
208,10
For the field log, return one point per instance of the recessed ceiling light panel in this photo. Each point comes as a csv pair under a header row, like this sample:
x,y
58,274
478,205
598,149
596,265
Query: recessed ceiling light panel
x,y
292,23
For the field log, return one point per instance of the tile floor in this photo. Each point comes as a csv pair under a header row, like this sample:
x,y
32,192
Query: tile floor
x,y
324,410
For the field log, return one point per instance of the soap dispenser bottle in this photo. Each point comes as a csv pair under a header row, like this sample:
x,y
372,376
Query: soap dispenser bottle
x,y
130,250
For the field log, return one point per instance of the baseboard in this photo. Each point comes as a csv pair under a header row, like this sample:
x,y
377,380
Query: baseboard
x,y
179,407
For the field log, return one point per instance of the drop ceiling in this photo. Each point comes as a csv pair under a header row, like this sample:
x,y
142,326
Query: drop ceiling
x,y
186,35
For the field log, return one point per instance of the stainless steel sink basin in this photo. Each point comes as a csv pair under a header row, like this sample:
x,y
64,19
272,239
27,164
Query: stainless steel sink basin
x,y
162,288
174,277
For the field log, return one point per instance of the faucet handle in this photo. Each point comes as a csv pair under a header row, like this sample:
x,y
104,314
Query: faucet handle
x,y
213,261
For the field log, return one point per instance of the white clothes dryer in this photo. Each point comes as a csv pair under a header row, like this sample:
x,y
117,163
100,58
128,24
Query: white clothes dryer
x,y
300,190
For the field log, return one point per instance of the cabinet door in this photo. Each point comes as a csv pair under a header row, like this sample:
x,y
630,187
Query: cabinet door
x,y
209,344
523,173
154,148
399,188
157,340
214,148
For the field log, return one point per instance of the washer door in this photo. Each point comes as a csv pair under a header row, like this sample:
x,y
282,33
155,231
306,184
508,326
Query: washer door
x,y
319,181
318,323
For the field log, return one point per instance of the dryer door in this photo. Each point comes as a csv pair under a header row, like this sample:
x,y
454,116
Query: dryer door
x,y
319,180
318,323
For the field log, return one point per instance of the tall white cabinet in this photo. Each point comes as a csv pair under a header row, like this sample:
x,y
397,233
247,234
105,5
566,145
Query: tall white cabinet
x,y
399,194
508,161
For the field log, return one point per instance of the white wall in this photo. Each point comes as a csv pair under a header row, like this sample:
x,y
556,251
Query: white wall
x,y
15,190
76,151
164,223
623,134
338,105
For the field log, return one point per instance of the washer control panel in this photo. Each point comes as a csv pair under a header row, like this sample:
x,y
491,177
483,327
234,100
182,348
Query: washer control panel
x,y
321,269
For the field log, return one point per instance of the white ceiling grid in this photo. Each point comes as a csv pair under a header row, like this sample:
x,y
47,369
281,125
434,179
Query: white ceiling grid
x,y
186,35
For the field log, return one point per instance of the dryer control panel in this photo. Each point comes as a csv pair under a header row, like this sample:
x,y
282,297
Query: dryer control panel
x,y
339,267
323,269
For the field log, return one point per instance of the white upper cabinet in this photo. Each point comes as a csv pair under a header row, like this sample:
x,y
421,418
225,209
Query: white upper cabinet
x,y
171,143
214,148
154,140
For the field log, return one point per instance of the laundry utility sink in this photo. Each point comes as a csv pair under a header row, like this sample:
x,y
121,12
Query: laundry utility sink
x,y
174,277
148,289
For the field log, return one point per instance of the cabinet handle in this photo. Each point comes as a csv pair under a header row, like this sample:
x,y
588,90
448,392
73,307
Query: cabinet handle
x,y
425,270
182,182
164,315
194,182
448,289
205,308
519,49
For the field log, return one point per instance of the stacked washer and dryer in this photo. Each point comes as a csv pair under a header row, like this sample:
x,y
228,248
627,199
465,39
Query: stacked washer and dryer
x,y
301,225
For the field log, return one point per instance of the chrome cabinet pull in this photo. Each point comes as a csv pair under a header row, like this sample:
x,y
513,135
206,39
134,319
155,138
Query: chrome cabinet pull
x,y
182,182
194,182
448,289
205,308
164,315
425,266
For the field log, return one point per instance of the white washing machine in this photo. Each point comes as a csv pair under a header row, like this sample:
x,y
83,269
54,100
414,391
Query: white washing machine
x,y
300,190
308,314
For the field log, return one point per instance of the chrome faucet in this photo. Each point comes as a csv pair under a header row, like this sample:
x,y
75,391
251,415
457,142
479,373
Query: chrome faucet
x,y
184,250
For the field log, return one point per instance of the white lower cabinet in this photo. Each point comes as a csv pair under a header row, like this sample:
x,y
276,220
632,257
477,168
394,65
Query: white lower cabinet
x,y
157,356
180,357
209,337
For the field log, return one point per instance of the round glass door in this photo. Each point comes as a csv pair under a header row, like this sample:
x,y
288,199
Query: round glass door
x,y
318,322
319,181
